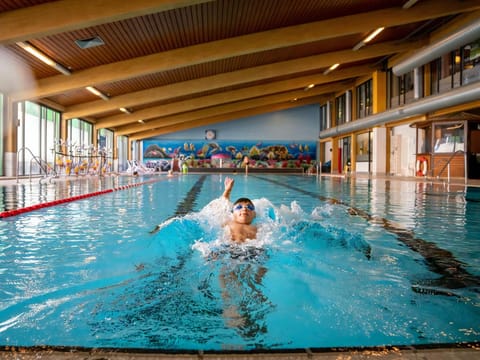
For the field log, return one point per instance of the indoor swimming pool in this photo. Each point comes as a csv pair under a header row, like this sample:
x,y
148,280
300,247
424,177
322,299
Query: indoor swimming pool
x,y
338,262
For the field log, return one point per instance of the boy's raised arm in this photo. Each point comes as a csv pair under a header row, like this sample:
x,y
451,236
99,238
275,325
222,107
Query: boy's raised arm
x,y
228,187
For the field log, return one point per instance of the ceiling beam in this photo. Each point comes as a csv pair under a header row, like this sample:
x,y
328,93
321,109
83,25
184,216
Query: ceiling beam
x,y
66,15
238,77
227,108
226,117
237,95
241,45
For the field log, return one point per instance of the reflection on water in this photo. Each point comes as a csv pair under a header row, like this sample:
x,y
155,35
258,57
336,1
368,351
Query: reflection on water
x,y
357,267
27,194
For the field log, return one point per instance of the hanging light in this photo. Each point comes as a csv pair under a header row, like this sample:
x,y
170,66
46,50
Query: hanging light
x,y
368,38
97,92
43,57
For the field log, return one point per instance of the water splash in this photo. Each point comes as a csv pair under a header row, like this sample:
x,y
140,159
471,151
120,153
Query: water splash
x,y
283,227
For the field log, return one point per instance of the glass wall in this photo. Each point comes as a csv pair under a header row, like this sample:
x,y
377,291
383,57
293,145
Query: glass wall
x,y
400,89
363,148
105,147
441,138
324,116
345,145
79,135
105,140
449,138
341,109
364,99
122,154
38,129
457,68
471,63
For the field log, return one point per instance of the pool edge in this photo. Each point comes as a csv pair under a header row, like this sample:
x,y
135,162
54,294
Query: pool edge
x,y
462,351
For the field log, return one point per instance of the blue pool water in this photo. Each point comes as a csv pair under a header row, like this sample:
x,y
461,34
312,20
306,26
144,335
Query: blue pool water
x,y
337,263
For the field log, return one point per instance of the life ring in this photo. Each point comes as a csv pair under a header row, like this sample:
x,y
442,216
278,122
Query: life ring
x,y
422,166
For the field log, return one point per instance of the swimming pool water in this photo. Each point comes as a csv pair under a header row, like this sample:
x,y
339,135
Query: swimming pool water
x,y
337,263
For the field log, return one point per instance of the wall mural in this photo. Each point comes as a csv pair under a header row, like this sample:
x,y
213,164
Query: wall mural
x,y
230,153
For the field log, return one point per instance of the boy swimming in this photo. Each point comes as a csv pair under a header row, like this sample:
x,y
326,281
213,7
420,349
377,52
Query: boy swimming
x,y
240,225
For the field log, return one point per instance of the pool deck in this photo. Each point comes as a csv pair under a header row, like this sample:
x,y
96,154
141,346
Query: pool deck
x,y
470,352
460,352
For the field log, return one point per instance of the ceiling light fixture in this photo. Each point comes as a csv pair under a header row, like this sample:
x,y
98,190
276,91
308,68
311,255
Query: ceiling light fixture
x,y
311,86
97,92
368,39
331,68
125,110
44,58
141,121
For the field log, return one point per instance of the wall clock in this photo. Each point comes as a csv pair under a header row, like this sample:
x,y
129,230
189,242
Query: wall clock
x,y
210,134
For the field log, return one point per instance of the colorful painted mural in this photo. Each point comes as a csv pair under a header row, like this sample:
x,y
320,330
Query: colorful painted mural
x,y
230,153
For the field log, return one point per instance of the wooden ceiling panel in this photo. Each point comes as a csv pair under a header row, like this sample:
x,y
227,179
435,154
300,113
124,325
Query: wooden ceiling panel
x,y
8,5
178,46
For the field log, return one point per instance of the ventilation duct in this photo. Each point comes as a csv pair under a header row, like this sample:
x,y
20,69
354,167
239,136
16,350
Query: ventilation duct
x,y
432,103
454,41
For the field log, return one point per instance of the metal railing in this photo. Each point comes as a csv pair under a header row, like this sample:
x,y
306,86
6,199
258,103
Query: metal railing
x,y
447,165
43,165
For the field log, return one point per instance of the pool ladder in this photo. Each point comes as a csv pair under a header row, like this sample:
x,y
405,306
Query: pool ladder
x,y
49,171
447,166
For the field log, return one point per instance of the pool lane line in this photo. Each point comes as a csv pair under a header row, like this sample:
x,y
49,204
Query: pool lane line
x,y
438,260
188,202
15,212
186,205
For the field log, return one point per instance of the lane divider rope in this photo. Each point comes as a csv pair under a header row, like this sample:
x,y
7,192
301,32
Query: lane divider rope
x,y
15,212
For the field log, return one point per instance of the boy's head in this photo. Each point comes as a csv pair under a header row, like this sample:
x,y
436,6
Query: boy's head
x,y
243,211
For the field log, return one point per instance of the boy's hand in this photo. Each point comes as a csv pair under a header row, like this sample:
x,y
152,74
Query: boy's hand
x,y
228,187
229,183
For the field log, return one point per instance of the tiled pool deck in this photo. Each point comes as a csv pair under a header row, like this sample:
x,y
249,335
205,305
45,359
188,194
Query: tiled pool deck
x,y
460,352
471,352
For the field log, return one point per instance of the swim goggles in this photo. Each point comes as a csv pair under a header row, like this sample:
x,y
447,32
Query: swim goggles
x,y
239,207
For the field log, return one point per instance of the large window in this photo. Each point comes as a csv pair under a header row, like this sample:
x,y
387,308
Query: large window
x,y
449,138
471,63
343,108
441,138
364,99
38,131
400,89
105,145
122,155
363,148
105,140
79,135
457,68
325,116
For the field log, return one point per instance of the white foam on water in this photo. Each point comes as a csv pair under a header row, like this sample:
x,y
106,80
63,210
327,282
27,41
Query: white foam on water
x,y
274,224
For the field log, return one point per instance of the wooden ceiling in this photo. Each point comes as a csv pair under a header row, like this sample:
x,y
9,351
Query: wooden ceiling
x,y
180,64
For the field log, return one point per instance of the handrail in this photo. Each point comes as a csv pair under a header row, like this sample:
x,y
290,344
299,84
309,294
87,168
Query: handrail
x,y
448,163
38,160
